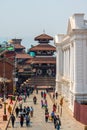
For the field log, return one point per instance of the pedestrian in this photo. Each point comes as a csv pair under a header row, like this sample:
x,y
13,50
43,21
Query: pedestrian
x,y
56,94
53,95
42,94
42,103
27,117
54,107
28,93
52,115
12,119
54,121
9,109
46,116
46,109
24,111
21,120
34,99
28,110
45,103
17,111
31,111
24,97
58,123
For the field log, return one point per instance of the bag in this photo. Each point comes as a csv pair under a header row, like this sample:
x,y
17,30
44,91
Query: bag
x,y
50,118
58,122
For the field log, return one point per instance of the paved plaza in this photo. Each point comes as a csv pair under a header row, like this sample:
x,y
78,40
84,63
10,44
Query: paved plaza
x,y
38,120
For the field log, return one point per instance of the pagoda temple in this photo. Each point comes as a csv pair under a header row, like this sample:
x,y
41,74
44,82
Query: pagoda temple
x,y
23,69
44,60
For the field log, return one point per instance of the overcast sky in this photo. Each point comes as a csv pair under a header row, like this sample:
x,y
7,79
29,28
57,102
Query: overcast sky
x,y
28,18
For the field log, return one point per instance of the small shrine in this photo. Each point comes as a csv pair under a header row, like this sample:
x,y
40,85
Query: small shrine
x,y
44,60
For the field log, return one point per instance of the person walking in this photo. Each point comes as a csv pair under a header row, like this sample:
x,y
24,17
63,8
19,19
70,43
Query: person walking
x,y
12,119
9,109
54,121
52,115
45,103
21,120
17,111
46,116
27,117
44,95
54,107
58,123
42,104
56,94
31,111
34,99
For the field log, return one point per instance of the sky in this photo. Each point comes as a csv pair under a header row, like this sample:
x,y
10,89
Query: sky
x,y
27,19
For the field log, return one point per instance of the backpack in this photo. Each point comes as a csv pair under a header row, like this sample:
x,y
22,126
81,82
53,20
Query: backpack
x,y
58,122
13,118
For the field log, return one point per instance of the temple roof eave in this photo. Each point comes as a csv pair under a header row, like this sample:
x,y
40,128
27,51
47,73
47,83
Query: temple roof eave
x,y
23,56
41,47
43,60
43,37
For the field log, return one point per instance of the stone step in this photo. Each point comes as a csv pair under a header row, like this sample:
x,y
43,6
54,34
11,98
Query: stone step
x,y
40,81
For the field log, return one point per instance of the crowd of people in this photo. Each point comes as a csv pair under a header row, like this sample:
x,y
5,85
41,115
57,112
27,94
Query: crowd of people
x,y
25,113
50,116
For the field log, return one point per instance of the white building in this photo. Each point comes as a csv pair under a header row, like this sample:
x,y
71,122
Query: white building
x,y
71,72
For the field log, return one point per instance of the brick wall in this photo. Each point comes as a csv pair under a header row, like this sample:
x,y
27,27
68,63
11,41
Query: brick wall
x,y
80,112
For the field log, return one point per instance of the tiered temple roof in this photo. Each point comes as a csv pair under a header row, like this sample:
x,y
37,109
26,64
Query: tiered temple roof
x,y
40,60
43,46
23,56
43,37
17,43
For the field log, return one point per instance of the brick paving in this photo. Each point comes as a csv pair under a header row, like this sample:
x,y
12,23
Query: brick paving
x,y
38,122
67,119
3,124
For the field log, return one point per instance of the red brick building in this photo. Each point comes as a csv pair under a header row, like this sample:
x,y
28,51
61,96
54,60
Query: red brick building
x,y
6,72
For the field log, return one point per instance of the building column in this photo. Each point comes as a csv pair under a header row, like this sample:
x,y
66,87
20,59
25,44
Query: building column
x,y
56,87
58,69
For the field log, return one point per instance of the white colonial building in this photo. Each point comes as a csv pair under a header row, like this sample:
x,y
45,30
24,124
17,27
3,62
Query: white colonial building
x,y
71,71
